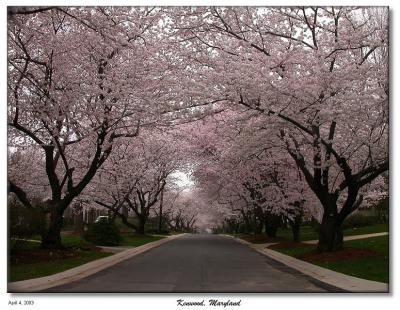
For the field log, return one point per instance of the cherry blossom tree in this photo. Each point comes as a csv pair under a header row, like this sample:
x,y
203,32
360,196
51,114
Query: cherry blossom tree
x,y
321,73
22,170
80,79
134,177
280,109
182,214
259,182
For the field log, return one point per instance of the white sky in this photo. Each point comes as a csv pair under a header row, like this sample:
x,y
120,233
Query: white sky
x,y
183,180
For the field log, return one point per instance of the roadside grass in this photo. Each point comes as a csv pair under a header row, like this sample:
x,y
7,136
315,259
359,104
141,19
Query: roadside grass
x,y
19,272
75,241
28,260
377,228
374,267
138,240
309,233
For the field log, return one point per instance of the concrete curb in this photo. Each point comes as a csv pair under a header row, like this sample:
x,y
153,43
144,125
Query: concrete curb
x,y
82,271
333,278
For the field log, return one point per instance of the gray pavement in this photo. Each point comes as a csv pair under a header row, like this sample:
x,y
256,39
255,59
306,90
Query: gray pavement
x,y
198,263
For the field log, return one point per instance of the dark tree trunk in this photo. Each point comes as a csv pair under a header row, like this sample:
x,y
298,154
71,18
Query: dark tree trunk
x,y
237,227
258,227
272,223
142,222
271,231
247,226
125,212
51,239
330,234
258,220
295,225
160,212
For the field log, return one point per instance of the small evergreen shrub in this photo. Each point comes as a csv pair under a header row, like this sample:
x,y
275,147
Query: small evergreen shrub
x,y
26,222
104,232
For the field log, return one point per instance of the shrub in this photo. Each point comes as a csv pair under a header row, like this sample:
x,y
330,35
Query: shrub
x,y
26,222
103,233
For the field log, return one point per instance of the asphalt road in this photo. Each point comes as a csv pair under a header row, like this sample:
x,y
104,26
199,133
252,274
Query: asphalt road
x,y
197,263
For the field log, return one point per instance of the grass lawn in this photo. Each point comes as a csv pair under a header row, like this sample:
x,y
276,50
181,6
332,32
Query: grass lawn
x,y
29,261
377,228
372,263
69,240
19,272
309,233
138,240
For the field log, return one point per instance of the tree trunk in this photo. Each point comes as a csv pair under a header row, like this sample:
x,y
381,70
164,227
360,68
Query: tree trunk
x,y
160,212
247,225
258,220
258,227
125,212
140,229
330,234
271,230
272,223
51,239
237,227
295,225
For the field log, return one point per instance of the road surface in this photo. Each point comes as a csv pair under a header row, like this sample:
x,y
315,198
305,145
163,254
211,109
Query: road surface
x,y
197,263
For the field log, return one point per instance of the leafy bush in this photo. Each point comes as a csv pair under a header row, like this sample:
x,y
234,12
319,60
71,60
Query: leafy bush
x,y
103,232
26,222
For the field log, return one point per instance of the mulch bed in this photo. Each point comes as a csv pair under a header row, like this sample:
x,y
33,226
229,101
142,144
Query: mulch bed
x,y
40,255
290,244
